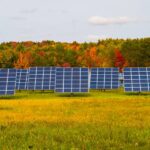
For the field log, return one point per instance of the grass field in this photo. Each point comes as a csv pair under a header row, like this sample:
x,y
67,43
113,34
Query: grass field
x,y
111,120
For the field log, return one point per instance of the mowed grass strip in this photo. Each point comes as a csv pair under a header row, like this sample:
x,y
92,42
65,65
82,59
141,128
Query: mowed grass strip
x,y
100,120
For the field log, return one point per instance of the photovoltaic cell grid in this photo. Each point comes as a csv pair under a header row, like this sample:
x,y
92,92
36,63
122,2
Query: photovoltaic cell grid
x,y
22,79
7,81
41,78
71,80
104,78
137,79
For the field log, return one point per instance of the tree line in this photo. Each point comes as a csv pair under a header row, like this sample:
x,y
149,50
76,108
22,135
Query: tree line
x,y
104,53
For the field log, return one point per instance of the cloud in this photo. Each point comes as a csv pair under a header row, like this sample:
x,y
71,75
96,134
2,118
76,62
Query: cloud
x,y
29,11
97,20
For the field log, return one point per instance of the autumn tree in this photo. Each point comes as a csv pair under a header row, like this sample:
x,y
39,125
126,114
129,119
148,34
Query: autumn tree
x,y
135,52
119,60
8,57
90,58
24,60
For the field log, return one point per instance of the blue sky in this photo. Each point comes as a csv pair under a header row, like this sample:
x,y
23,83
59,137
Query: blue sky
x,y
73,20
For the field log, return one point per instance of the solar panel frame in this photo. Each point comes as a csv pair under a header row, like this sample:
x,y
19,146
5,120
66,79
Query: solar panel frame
x,y
7,81
104,78
22,79
41,78
137,79
72,80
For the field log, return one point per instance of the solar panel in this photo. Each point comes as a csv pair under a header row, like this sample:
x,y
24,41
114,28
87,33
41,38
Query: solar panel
x,y
7,81
71,80
22,79
104,78
137,79
41,78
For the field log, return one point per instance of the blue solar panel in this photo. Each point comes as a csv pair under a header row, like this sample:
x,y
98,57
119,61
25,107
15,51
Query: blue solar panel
x,y
104,78
41,78
71,80
22,79
7,81
137,79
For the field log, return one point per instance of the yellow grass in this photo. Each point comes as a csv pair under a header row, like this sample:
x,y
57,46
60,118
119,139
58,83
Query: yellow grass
x,y
98,121
130,112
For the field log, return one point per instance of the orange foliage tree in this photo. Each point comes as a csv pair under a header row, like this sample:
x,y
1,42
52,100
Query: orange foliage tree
x,y
90,58
24,60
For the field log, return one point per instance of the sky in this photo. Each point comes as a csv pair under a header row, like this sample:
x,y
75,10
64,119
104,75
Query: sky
x,y
73,20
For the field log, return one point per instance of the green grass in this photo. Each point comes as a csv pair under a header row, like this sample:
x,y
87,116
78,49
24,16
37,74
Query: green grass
x,y
109,120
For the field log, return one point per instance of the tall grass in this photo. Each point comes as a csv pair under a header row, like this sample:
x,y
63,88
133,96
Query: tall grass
x,y
98,121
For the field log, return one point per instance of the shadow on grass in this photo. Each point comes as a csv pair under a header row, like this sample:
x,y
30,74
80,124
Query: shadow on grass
x,y
12,97
74,95
25,94
113,91
137,94
38,91
6,108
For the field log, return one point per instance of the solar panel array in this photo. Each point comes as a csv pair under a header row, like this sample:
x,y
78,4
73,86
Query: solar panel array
x,y
71,80
7,81
41,78
137,79
104,78
21,79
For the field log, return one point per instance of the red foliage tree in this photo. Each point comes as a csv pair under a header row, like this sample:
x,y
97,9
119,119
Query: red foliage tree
x,y
119,60
66,65
41,53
